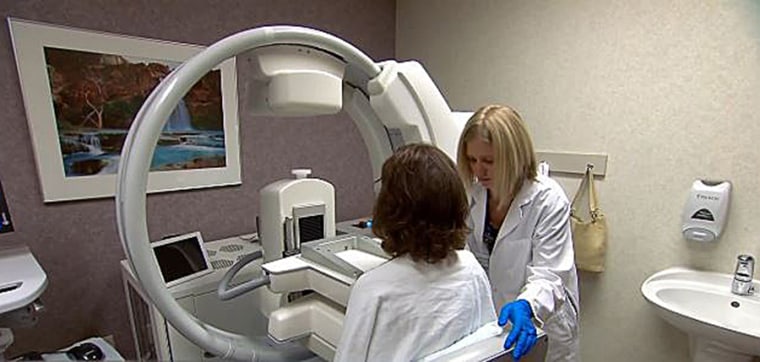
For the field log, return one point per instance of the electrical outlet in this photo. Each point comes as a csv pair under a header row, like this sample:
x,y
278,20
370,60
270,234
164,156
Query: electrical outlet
x,y
6,224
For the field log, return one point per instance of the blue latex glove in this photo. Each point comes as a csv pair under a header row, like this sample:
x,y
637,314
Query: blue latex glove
x,y
523,333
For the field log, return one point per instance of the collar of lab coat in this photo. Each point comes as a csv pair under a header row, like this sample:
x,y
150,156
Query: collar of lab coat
x,y
514,216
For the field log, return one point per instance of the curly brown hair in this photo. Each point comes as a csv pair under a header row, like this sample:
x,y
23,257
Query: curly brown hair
x,y
422,206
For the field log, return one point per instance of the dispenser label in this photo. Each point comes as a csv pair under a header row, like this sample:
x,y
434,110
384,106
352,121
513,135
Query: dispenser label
x,y
707,197
703,214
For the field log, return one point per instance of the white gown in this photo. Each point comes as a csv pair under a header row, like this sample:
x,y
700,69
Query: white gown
x,y
533,259
403,311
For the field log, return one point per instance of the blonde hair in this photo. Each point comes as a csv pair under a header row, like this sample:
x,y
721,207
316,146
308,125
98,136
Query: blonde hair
x,y
514,157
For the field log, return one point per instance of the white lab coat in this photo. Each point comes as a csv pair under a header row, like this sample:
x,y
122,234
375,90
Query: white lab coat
x,y
533,259
405,310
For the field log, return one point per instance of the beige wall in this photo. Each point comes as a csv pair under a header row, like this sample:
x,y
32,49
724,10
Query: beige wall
x,y
669,90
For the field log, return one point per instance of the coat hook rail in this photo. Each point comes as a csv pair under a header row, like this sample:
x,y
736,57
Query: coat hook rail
x,y
574,163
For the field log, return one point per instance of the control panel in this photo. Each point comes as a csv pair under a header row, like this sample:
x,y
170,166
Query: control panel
x,y
156,339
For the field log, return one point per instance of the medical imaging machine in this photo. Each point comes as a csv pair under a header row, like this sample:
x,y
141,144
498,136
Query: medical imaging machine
x,y
308,268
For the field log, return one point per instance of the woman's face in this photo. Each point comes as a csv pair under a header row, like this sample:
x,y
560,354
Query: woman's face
x,y
480,159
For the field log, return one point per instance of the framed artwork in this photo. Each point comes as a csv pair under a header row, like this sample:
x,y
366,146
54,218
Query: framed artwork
x,y
82,90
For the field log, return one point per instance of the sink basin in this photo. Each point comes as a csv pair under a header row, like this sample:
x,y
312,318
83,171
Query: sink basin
x,y
701,304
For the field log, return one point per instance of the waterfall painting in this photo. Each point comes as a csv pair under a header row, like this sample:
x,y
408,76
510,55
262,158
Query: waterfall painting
x,y
82,91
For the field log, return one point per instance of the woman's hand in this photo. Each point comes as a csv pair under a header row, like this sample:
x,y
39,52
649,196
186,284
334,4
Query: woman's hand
x,y
523,333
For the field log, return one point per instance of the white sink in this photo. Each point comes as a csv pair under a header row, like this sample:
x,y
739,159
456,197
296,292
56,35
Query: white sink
x,y
721,325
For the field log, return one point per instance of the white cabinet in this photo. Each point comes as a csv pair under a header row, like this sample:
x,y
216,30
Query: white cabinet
x,y
155,339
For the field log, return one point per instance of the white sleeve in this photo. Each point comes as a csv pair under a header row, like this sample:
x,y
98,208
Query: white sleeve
x,y
553,257
358,326
487,309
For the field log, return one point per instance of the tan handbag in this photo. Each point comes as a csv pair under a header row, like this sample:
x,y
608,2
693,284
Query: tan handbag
x,y
589,235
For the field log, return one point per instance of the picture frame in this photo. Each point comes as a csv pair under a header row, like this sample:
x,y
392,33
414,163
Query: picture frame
x,y
81,90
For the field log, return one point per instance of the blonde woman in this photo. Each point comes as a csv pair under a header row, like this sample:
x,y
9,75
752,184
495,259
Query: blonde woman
x,y
521,233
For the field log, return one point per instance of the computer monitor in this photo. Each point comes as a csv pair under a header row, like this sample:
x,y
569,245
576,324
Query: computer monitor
x,y
181,258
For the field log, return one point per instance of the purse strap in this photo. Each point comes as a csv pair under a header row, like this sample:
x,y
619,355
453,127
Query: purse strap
x,y
587,184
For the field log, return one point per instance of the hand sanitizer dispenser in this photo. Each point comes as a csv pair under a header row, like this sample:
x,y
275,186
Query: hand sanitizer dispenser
x,y
706,210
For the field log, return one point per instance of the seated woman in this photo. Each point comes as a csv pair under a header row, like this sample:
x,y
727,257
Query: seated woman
x,y
431,293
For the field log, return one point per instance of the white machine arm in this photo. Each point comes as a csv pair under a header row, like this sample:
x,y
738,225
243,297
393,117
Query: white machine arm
x,y
404,97
403,106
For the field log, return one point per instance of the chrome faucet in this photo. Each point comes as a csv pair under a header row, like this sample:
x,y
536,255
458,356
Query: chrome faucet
x,y
745,267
